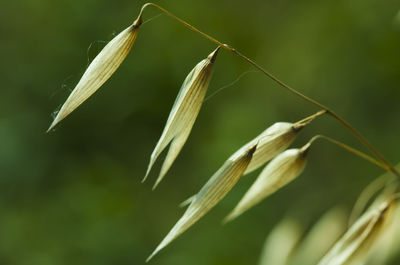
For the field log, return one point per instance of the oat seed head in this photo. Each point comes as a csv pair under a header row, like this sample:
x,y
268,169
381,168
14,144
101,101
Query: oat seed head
x,y
356,244
100,70
274,140
183,114
210,194
280,171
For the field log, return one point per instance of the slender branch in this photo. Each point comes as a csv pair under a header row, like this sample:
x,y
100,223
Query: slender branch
x,y
350,149
388,166
226,47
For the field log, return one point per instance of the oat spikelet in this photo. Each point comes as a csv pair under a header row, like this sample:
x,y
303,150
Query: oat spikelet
x,y
100,69
210,194
280,171
355,246
274,140
389,246
183,114
322,236
280,243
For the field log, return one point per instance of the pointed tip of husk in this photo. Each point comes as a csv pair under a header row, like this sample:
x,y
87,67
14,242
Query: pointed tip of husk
x,y
183,114
156,184
102,67
187,201
60,116
145,176
283,169
151,256
236,212
158,249
162,174
148,170
229,218
209,195
52,125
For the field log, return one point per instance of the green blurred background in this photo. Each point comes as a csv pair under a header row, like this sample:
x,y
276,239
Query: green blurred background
x,y
73,196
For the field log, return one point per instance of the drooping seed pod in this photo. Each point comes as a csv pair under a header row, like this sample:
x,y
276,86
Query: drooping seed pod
x,y
280,171
271,142
183,114
100,69
274,140
210,194
355,245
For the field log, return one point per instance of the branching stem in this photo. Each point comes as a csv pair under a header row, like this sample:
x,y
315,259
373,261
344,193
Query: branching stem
x,y
350,149
387,165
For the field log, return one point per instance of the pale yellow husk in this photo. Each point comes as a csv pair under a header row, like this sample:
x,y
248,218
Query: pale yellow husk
x,y
210,194
279,172
274,140
365,234
324,233
100,70
183,114
270,143
389,246
286,245
280,243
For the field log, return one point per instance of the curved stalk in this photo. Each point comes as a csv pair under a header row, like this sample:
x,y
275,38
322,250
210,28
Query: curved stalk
x,y
388,166
350,149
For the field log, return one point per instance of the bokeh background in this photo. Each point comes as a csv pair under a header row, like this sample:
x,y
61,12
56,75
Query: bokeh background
x,y
73,196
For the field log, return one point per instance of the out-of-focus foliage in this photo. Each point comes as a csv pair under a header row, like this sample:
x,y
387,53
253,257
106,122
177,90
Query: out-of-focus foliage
x,y
74,196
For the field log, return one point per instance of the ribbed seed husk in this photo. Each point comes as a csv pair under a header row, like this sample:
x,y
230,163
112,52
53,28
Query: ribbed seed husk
x,y
183,114
274,140
286,245
354,247
100,70
210,194
280,171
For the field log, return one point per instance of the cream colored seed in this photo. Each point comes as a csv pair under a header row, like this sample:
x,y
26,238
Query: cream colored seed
x,y
100,70
210,194
279,172
354,247
183,114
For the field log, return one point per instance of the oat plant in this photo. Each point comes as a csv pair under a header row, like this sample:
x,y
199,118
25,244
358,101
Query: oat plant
x,y
269,150
370,240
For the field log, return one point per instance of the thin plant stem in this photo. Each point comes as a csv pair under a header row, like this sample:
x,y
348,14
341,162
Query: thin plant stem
x,y
350,149
388,166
